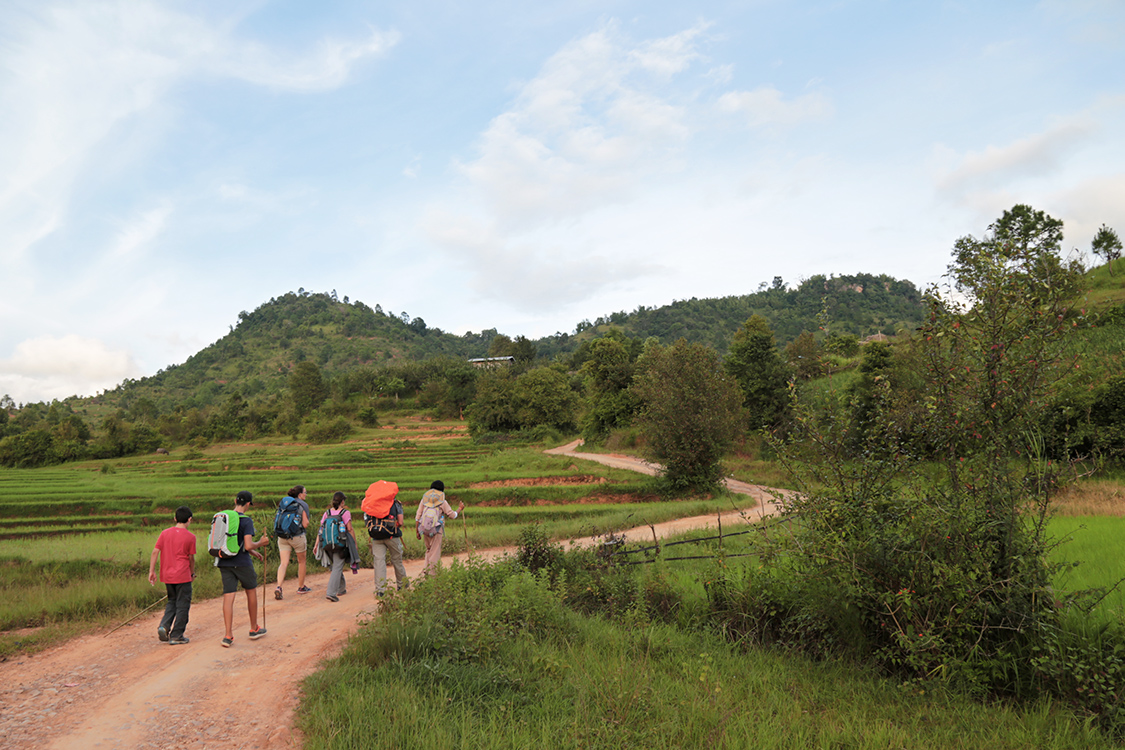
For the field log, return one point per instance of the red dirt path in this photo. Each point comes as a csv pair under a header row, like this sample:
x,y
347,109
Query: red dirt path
x,y
126,690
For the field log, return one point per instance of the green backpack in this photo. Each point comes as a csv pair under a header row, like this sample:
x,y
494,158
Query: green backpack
x,y
223,541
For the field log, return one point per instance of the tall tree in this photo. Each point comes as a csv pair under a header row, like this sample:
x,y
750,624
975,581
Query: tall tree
x,y
307,388
692,412
754,361
1107,245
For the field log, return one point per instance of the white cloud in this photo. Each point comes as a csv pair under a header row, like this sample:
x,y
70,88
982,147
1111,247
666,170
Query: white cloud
x,y
139,232
56,367
528,275
74,72
767,106
1036,155
582,133
669,55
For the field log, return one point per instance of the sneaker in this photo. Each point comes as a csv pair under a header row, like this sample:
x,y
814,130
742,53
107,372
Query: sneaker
x,y
162,633
179,641
256,634
228,642
304,590
277,593
332,598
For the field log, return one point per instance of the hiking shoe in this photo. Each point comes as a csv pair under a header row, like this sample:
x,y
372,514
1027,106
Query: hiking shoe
x,y
179,641
227,642
277,594
256,634
162,633
332,598
304,590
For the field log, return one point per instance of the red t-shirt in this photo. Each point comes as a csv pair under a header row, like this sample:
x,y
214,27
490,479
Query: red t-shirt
x,y
177,547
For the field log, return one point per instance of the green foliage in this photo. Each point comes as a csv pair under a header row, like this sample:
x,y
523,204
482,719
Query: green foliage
x,y
692,412
1083,663
608,366
306,387
755,363
938,576
538,397
1106,245
535,550
804,356
329,430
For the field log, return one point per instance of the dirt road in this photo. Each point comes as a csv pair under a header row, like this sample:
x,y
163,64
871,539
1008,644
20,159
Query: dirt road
x,y
126,690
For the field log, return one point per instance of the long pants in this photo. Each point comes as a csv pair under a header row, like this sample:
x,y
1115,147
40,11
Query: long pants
x,y
433,552
381,549
336,583
176,610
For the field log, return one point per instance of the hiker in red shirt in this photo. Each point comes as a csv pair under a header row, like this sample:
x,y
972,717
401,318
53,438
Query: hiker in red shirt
x,y
175,548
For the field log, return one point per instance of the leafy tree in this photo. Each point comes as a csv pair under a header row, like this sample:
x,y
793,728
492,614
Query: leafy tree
x,y
943,575
494,408
608,373
1107,245
307,389
692,412
460,389
803,355
543,397
755,363
506,402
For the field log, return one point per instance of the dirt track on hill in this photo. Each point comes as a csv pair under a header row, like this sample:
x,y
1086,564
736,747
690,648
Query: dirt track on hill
x,y
125,690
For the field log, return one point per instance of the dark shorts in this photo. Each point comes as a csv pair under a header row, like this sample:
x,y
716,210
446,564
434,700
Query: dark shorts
x,y
234,576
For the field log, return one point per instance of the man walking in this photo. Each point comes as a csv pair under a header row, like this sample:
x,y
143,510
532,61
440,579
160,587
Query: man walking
x,y
240,570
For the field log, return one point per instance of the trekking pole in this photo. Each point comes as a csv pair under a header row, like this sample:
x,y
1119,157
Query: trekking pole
x,y
465,529
146,609
263,587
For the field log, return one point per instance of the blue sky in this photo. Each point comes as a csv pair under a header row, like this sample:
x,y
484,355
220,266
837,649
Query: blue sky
x,y
523,166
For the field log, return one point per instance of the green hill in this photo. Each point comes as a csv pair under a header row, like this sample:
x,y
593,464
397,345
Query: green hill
x,y
860,304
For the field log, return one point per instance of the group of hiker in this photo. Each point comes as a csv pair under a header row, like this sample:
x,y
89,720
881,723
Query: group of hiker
x,y
232,544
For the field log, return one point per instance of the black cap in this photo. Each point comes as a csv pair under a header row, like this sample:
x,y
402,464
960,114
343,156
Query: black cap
x,y
244,498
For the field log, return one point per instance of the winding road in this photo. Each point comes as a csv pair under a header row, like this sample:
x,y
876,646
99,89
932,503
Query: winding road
x,y
125,690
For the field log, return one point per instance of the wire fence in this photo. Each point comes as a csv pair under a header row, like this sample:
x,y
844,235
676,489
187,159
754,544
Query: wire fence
x,y
658,547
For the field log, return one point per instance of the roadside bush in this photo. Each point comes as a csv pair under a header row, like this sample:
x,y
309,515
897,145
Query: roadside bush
x,y
1083,663
325,431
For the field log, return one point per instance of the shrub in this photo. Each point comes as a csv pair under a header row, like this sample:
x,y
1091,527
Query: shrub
x,y
329,431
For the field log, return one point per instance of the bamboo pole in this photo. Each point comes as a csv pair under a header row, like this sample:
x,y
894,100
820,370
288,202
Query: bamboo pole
x,y
146,609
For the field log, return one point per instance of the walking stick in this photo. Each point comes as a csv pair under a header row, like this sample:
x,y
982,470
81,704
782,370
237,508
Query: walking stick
x,y
146,609
266,548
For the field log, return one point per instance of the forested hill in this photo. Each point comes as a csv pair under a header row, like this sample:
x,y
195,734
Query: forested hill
x,y
338,334
258,354
863,304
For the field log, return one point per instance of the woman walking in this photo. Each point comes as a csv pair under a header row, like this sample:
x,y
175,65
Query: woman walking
x,y
291,539
429,523
333,542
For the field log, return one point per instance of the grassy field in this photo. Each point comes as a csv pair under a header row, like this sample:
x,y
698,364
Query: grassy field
x,y
77,538
492,657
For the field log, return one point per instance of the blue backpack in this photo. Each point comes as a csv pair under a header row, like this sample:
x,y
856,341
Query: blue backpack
x,y
287,522
333,534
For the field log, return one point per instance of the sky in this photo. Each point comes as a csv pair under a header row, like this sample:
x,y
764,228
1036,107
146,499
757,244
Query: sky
x,y
513,165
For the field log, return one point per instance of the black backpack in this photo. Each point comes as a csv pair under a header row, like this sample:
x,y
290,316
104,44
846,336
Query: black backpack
x,y
380,528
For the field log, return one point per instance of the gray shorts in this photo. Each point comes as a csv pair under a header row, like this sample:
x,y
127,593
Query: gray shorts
x,y
234,576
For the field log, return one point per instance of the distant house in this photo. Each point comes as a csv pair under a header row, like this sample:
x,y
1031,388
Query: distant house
x,y
490,362
876,338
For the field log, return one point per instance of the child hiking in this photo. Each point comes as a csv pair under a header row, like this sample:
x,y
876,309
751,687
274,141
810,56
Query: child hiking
x,y
239,569
175,549
429,523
